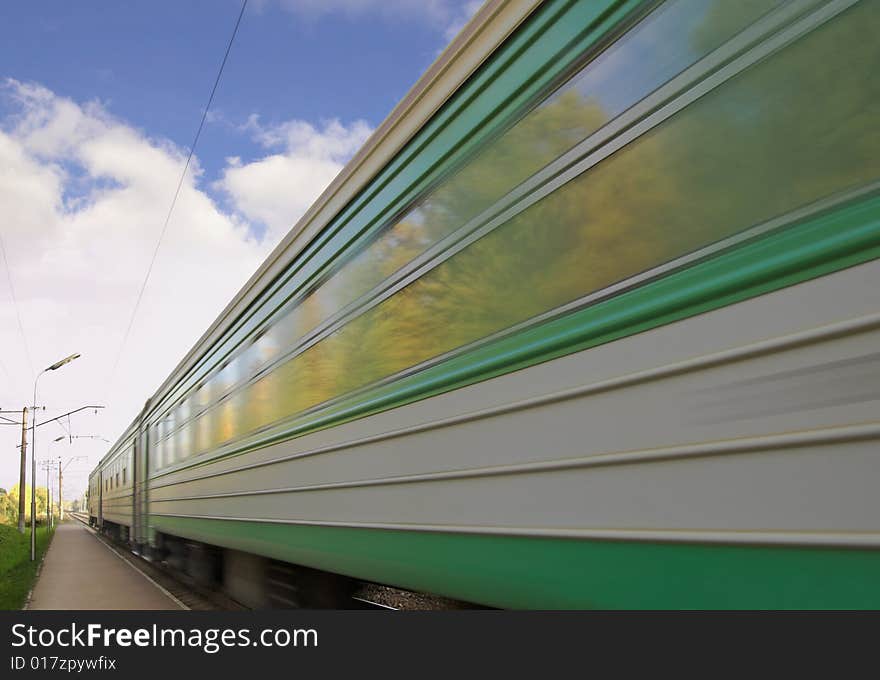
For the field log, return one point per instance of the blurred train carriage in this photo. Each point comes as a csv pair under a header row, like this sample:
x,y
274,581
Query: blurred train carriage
x,y
591,321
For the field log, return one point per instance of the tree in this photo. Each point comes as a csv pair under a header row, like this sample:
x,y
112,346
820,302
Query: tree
x,y
8,514
41,501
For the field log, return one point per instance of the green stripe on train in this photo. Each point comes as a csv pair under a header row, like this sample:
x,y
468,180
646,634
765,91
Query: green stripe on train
x,y
554,573
815,247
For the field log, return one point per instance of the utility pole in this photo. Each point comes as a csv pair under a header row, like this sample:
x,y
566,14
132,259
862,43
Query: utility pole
x,y
47,466
34,426
22,478
60,507
60,472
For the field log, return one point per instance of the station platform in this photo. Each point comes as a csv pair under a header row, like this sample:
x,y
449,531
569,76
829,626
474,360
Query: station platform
x,y
81,572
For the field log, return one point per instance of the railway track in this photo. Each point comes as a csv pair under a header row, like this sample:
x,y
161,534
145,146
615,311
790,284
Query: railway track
x,y
195,597
188,593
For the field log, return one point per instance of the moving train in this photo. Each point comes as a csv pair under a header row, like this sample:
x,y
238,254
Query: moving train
x,y
591,321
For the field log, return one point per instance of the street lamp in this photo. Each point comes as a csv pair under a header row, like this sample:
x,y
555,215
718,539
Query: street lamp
x,y
53,367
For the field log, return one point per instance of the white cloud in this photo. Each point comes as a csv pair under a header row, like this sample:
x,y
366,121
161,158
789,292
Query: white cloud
x,y
421,9
84,197
460,17
446,16
277,189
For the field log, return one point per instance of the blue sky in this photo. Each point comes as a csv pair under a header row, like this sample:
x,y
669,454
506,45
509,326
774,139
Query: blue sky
x,y
99,102
152,63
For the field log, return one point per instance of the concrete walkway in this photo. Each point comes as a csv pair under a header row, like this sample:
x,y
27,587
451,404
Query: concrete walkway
x,y
81,572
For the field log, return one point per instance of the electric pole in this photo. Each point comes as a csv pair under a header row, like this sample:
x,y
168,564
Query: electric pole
x,y
23,473
47,465
22,478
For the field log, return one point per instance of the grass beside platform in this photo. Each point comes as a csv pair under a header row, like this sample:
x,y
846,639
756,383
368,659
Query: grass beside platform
x,y
17,572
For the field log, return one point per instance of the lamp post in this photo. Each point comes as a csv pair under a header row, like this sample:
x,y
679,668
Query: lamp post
x,y
53,367
48,466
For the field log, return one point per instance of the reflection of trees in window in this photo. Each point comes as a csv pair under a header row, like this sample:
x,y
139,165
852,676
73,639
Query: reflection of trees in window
x,y
794,128
565,118
786,132
639,62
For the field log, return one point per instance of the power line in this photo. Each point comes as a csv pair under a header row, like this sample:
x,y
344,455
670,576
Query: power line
x,y
27,351
63,427
176,194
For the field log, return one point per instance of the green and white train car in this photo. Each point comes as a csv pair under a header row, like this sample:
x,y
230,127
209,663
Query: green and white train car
x,y
592,320
110,498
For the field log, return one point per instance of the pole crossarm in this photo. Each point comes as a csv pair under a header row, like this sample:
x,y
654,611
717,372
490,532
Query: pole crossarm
x,y
63,415
10,421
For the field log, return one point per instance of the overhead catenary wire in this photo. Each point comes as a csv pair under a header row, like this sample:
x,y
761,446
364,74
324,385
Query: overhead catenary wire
x,y
27,351
64,427
192,149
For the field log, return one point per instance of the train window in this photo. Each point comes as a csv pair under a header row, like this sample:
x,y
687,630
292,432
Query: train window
x,y
182,415
169,422
787,131
157,446
228,375
260,351
265,346
202,396
784,133
116,482
184,410
124,481
183,443
168,451
605,88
